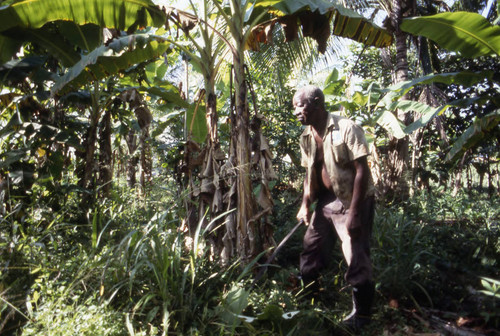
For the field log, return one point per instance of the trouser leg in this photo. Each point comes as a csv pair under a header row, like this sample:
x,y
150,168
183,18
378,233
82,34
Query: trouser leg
x,y
357,251
359,270
318,240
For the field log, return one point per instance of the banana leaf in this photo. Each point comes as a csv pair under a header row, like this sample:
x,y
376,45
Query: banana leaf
x,y
470,34
119,14
391,124
466,78
8,47
105,61
479,130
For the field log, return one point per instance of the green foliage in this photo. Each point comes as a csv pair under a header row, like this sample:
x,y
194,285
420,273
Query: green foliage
x,y
107,60
480,129
491,287
128,263
454,241
398,251
89,317
106,13
468,33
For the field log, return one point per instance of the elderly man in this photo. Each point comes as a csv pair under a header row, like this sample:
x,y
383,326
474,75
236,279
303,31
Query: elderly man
x,y
334,153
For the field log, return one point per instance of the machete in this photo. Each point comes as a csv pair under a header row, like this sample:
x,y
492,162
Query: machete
x,y
276,250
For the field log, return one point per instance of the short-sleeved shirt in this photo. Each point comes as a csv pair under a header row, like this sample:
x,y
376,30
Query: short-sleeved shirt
x,y
344,141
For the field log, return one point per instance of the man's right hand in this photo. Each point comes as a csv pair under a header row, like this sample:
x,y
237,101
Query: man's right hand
x,y
304,214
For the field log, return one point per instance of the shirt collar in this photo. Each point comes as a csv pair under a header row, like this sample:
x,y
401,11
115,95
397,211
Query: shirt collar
x,y
331,124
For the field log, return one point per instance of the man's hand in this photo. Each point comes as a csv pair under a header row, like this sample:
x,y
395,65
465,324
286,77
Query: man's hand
x,y
304,214
354,225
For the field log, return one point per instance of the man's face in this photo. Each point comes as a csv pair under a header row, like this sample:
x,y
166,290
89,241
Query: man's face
x,y
303,110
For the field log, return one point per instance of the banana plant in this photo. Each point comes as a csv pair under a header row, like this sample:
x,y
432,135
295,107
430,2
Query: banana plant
x,y
471,35
248,24
71,32
377,105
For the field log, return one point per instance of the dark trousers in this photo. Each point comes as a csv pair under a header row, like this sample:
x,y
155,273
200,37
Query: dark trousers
x,y
329,216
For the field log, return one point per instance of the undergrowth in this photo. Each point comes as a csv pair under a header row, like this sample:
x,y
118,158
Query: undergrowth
x,y
127,269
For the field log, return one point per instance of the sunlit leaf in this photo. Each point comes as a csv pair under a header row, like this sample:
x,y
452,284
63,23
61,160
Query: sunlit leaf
x,y
119,14
391,124
478,131
466,78
470,34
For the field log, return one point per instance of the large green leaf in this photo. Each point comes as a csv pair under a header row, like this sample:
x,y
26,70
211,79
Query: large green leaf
x,y
391,124
196,121
170,94
59,39
466,78
479,130
350,24
119,14
288,7
54,43
427,113
108,60
86,37
17,70
8,47
470,34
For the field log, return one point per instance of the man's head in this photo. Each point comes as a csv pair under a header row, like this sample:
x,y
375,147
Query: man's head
x,y
309,105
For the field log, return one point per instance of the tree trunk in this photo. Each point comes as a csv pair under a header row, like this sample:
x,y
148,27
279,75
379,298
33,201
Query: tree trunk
x,y
245,208
458,175
133,160
105,155
246,244
90,146
145,157
396,185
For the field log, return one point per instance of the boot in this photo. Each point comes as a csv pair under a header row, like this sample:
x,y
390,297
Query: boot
x,y
362,299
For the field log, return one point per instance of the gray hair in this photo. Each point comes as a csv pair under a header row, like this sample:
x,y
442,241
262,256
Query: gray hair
x,y
313,94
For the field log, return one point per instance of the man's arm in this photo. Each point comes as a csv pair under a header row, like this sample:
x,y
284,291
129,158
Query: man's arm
x,y
306,203
362,172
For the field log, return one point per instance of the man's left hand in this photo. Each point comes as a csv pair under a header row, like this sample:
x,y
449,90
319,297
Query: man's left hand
x,y
354,225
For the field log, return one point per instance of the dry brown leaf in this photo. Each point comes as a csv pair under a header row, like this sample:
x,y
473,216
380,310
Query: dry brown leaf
x,y
289,25
188,21
264,198
144,116
317,26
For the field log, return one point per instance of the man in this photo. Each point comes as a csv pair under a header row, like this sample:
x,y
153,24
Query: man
x,y
334,153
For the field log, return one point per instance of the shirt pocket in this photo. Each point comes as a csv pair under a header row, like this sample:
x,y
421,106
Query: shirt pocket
x,y
339,152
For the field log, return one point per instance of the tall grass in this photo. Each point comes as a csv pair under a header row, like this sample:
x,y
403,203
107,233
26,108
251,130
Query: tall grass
x,y
130,270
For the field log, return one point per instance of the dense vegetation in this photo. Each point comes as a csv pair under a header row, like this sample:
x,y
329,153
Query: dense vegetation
x,y
132,206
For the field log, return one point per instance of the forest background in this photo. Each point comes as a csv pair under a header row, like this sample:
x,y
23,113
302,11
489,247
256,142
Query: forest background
x,y
149,163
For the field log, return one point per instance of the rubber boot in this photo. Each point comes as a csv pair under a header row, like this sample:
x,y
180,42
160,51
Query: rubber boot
x,y
362,299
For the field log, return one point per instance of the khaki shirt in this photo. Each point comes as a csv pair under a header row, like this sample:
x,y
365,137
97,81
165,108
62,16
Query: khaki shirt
x,y
343,142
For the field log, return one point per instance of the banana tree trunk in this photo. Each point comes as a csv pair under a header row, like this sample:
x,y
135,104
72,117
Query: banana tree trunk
x,y
246,244
90,146
105,155
146,158
133,160
245,206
